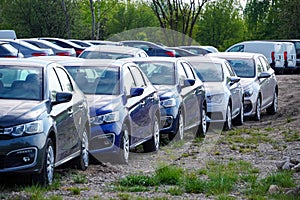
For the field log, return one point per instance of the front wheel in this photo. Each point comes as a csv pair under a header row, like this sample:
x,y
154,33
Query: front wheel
x,y
179,134
47,173
123,155
83,160
274,106
257,115
228,122
153,143
239,120
202,129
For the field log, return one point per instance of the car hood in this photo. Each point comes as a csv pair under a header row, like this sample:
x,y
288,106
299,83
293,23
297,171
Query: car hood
x,y
166,91
246,82
14,112
99,104
214,88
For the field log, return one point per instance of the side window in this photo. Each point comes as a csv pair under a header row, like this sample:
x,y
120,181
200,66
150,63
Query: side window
x,y
137,76
258,66
238,48
188,70
54,84
64,80
265,63
128,81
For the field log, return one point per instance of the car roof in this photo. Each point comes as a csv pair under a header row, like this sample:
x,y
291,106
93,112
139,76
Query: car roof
x,y
56,58
205,59
26,62
154,58
244,55
95,62
113,49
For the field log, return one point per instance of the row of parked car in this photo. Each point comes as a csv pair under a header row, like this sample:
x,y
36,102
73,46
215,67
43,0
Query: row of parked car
x,y
111,99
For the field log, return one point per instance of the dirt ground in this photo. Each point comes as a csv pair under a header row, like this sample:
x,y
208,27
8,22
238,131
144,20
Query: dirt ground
x,y
191,156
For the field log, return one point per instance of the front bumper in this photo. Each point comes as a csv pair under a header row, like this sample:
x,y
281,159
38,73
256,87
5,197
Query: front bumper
x,y
216,112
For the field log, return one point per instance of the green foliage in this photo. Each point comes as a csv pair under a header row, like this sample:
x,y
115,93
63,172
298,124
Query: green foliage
x,y
79,178
169,175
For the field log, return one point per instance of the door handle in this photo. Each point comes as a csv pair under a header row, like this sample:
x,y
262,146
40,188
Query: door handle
x,y
70,111
143,103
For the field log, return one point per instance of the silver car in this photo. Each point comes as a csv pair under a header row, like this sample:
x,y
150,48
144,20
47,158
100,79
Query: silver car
x,y
224,92
258,80
111,52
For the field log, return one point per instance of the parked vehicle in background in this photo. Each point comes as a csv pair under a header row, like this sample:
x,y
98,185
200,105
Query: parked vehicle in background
x,y
289,57
8,34
8,51
27,49
124,107
150,48
111,52
103,42
65,43
44,119
224,92
181,93
58,50
258,80
181,52
196,50
273,51
212,49
81,43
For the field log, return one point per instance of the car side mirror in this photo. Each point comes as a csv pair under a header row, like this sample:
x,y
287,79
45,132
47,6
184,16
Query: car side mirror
x,y
233,80
264,75
136,91
62,97
188,82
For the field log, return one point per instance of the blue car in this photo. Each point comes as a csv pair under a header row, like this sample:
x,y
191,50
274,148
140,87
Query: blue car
x,y
124,107
181,93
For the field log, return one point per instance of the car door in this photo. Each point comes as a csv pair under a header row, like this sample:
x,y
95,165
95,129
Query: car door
x,y
137,105
271,81
67,138
235,89
191,95
263,82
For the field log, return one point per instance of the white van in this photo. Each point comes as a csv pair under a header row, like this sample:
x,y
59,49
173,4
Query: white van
x,y
273,51
290,59
8,34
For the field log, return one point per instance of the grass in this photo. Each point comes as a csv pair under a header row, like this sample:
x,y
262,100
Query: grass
x,y
79,178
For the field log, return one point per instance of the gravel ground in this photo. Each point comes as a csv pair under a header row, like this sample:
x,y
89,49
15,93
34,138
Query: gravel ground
x,y
191,155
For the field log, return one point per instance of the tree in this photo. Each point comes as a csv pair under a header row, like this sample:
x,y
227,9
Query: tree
x,y
178,15
220,24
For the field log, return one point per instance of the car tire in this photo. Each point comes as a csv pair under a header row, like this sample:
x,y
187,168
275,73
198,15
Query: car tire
x,y
228,122
257,116
153,143
274,106
202,129
45,177
239,120
83,160
123,155
179,134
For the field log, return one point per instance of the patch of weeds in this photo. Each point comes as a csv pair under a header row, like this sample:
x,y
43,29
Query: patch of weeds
x,y
281,179
194,184
137,180
169,175
79,178
176,191
291,135
289,120
123,196
35,191
75,190
225,197
131,188
55,197
269,129
217,153
198,140
178,144
202,171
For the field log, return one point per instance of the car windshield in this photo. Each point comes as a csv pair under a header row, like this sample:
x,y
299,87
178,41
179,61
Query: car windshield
x,y
243,67
209,72
19,82
159,73
104,55
96,80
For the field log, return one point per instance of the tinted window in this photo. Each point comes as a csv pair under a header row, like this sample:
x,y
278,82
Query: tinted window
x,y
54,84
209,72
104,55
243,67
238,48
159,73
64,80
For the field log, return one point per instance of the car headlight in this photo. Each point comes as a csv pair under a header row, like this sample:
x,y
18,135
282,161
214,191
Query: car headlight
x,y
107,118
248,92
25,129
168,102
216,98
